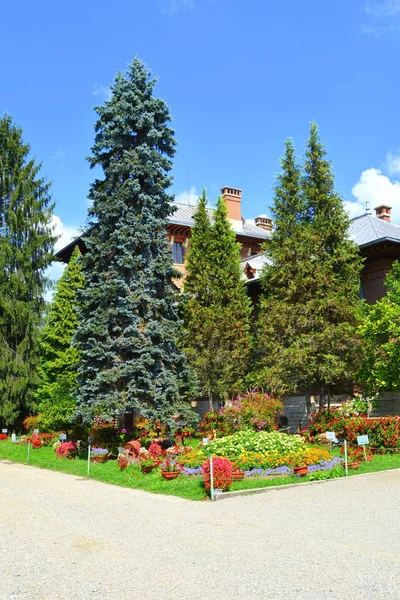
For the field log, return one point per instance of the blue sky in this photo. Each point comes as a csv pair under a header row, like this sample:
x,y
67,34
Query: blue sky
x,y
239,77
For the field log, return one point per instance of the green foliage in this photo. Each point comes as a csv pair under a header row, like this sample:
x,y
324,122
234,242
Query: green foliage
x,y
26,250
379,331
58,359
311,284
254,410
252,441
128,321
217,310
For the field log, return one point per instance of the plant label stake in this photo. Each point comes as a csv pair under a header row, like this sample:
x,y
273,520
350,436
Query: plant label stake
x,y
331,436
88,461
29,450
62,437
345,457
211,478
362,440
4,430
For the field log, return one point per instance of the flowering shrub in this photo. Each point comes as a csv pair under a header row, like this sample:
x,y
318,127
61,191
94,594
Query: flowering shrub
x,y
155,450
146,429
123,462
31,422
46,438
262,442
66,449
35,442
3,436
222,471
383,432
254,410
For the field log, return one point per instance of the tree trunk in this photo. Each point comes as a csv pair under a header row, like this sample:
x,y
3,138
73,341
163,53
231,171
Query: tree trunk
x,y
308,402
210,402
321,398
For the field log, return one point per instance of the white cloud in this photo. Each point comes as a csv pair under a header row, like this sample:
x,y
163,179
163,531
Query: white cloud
x,y
393,163
375,188
171,7
188,197
381,9
66,234
104,91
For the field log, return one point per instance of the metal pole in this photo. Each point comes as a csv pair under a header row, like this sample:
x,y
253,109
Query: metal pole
x,y
365,453
211,478
345,457
88,461
29,450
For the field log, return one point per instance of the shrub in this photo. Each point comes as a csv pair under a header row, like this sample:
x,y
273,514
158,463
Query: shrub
x,y
3,436
35,442
383,432
254,410
31,422
66,449
155,450
234,445
222,471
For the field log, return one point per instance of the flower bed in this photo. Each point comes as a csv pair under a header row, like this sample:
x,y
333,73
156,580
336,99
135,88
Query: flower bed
x,y
383,432
233,446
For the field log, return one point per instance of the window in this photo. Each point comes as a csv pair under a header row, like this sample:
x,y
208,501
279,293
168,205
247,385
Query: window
x,y
177,252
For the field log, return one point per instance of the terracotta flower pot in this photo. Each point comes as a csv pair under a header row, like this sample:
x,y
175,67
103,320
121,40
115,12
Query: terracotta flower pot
x,y
237,475
354,465
147,469
301,471
170,474
101,458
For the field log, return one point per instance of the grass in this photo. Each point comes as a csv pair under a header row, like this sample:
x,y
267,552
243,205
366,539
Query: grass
x,y
190,488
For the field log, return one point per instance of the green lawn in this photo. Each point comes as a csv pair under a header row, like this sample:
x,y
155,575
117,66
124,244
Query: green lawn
x,y
186,487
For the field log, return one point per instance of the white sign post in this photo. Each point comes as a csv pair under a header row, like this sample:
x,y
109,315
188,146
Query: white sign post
x,y
5,430
331,436
362,440
62,437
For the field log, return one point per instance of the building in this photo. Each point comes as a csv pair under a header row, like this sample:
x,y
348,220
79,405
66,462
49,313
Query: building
x,y
250,234
379,242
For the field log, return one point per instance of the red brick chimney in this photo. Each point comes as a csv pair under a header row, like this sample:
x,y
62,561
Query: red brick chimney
x,y
383,212
233,199
264,222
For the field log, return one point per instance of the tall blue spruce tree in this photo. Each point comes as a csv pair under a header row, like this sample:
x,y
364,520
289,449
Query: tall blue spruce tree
x,y
128,320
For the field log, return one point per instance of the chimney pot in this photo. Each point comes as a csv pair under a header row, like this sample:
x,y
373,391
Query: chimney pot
x,y
264,222
233,199
383,212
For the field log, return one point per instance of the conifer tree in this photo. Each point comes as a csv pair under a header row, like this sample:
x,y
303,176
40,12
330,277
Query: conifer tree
x,y
128,321
217,311
58,359
307,320
26,250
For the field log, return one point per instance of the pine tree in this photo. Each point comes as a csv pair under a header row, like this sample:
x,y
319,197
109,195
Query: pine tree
x,y
58,359
217,311
307,320
128,321
26,249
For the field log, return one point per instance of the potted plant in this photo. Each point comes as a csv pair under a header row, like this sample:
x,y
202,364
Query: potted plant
x,y
66,450
237,472
99,455
147,465
170,469
300,470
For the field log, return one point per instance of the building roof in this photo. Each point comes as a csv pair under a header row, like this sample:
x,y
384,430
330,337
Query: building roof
x,y
364,231
184,215
367,230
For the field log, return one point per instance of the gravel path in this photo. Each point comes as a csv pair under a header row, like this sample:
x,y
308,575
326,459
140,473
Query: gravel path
x,y
67,538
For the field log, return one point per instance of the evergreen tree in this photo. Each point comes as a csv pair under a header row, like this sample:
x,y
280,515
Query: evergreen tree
x,y
58,359
308,318
217,311
26,250
379,330
128,322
